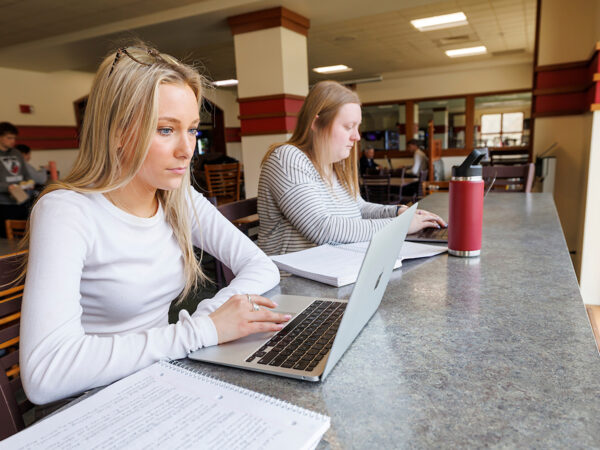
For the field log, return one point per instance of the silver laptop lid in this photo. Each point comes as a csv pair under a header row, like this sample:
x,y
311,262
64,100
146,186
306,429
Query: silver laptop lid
x,y
370,286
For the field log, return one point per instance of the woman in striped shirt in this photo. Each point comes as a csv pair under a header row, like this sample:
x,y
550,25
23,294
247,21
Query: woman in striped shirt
x,y
308,190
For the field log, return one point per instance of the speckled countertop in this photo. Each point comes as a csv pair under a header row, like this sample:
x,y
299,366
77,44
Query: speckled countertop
x,y
495,351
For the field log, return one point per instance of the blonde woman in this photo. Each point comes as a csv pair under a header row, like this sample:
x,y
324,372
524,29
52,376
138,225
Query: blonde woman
x,y
308,190
112,244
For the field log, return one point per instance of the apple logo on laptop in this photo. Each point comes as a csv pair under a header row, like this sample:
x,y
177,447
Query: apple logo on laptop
x,y
377,282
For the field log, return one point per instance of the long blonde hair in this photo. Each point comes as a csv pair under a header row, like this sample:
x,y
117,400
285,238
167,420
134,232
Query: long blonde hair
x,y
321,106
120,120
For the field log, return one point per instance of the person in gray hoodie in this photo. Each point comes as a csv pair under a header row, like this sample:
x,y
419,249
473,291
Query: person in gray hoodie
x,y
13,170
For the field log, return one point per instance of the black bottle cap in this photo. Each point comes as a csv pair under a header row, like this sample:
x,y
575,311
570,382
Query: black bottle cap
x,y
470,167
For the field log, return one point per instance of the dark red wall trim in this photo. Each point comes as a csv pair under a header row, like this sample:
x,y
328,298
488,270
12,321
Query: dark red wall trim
x,y
48,137
570,88
272,114
233,134
269,18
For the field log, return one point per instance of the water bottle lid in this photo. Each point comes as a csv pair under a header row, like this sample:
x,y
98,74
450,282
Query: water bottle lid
x,y
470,167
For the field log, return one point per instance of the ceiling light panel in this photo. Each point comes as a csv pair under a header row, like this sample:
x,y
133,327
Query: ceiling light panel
x,y
332,69
470,51
222,83
439,22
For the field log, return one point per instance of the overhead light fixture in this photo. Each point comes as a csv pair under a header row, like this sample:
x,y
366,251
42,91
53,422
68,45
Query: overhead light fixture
x,y
222,83
333,69
470,51
438,22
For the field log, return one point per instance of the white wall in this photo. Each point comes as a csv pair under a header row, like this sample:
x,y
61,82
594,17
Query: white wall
x,y
458,79
52,96
590,255
564,27
569,34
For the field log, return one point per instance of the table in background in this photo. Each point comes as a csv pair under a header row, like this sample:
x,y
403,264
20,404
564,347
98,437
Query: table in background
x,y
492,351
8,246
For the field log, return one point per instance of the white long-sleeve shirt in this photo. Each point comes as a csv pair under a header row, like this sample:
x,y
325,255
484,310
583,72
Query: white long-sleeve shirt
x,y
99,285
297,210
420,161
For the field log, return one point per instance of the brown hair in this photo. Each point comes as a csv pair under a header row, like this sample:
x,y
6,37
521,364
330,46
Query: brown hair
x,y
321,106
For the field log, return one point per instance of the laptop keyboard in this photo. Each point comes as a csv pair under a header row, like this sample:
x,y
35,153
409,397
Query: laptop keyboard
x,y
304,342
434,233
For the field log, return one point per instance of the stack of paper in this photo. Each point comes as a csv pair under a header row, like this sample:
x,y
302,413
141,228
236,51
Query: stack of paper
x,y
338,265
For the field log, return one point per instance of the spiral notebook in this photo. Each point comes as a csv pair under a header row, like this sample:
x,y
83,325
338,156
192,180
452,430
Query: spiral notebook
x,y
168,405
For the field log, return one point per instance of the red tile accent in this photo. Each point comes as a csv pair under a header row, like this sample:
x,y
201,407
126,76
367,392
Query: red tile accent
x,y
272,114
48,137
233,134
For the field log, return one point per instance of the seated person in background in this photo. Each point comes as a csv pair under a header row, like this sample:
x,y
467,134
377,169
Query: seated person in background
x,y
308,190
367,163
420,159
39,176
112,244
13,171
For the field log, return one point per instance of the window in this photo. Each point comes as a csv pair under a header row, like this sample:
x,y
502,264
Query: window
x,y
504,129
448,116
383,127
502,120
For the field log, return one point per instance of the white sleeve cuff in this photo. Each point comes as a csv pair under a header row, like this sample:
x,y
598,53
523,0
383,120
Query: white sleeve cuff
x,y
207,330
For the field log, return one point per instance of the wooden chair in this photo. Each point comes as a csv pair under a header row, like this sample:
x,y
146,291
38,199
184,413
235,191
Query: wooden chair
x,y
223,181
15,229
13,403
377,188
510,178
244,215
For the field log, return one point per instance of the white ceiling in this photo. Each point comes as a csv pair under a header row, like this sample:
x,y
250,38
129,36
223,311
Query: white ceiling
x,y
373,37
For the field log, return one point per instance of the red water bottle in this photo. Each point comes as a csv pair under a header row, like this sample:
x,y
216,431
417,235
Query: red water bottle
x,y
465,218
53,170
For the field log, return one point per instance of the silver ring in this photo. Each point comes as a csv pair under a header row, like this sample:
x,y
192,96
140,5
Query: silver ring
x,y
255,307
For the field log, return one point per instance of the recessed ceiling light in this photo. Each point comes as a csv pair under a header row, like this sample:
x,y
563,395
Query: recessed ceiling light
x,y
470,51
222,83
332,69
438,22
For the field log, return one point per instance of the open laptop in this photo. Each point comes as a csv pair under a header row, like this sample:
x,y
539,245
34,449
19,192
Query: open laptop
x,y
321,329
439,235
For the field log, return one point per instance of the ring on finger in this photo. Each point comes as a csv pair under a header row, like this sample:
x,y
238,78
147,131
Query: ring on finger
x,y
255,307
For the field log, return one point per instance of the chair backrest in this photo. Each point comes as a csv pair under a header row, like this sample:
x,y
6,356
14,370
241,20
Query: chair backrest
x,y
244,215
377,188
15,229
223,181
423,176
12,401
510,178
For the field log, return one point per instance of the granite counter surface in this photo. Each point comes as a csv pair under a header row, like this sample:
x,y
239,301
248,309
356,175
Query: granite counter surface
x,y
494,351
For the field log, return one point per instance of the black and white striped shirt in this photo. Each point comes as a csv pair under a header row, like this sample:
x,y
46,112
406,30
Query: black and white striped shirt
x,y
298,210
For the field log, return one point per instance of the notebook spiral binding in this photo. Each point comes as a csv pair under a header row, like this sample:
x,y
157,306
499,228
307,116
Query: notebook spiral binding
x,y
182,368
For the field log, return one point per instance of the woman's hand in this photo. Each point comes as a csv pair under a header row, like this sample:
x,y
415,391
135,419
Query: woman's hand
x,y
424,219
236,317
